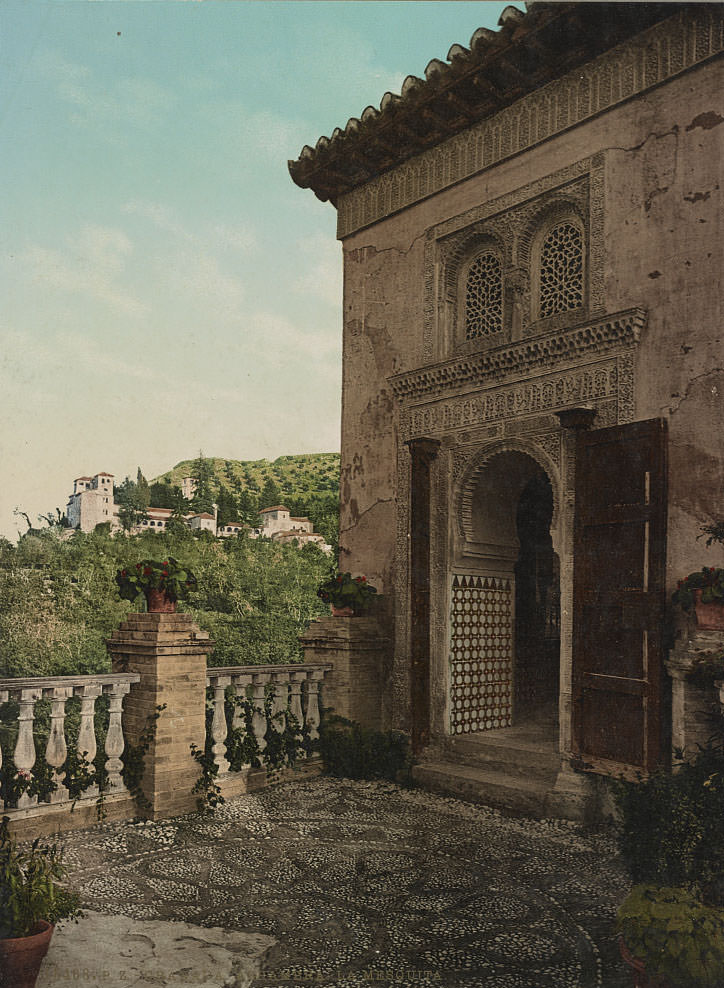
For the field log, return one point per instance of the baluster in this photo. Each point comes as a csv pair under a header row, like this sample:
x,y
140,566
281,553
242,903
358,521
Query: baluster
x,y
115,742
280,701
295,703
3,699
259,719
241,684
218,724
87,745
56,750
24,755
312,720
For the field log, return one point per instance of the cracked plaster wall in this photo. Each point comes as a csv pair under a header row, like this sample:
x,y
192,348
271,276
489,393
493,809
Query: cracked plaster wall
x,y
663,252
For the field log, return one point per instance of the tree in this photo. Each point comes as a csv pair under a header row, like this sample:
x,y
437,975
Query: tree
x,y
248,508
202,471
167,495
132,503
270,494
228,507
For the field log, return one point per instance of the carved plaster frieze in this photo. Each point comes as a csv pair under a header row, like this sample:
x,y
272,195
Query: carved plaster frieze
x,y
589,384
673,46
522,359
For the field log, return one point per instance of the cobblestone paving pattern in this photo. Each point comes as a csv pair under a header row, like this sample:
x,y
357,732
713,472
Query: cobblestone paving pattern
x,y
366,884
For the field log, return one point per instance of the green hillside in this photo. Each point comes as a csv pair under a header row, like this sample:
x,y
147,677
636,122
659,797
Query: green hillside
x,y
295,476
307,483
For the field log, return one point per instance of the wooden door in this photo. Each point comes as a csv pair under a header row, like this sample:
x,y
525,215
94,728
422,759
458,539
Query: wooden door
x,y
619,597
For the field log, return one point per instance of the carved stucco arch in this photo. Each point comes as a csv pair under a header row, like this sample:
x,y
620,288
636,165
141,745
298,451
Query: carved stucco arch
x,y
479,463
556,208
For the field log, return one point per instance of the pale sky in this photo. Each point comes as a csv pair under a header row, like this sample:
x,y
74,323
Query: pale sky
x,y
166,288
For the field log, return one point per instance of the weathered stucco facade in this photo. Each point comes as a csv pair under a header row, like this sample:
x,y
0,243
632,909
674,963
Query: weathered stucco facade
x,y
612,173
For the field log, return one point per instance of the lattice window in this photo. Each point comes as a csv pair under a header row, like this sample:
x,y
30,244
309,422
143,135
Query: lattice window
x,y
481,654
484,297
561,270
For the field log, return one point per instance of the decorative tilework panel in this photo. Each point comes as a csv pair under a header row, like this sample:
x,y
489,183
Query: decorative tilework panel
x,y
481,654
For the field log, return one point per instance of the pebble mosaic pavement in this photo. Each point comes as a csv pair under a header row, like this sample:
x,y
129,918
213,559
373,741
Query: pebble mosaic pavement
x,y
367,884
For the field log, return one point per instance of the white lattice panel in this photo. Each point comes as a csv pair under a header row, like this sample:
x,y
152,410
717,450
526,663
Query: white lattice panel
x,y
481,654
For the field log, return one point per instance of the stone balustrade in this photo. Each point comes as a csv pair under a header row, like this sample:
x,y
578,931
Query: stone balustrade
x,y
281,690
58,690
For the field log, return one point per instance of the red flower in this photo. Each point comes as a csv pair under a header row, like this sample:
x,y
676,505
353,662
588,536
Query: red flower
x,y
364,579
123,572
339,579
138,565
147,571
165,562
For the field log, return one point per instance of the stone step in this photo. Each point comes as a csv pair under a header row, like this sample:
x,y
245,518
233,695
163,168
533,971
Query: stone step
x,y
516,757
510,793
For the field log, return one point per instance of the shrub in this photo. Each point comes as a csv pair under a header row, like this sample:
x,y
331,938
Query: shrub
x,y
680,939
354,752
672,825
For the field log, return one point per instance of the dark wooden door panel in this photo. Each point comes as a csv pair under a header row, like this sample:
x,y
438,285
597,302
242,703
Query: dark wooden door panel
x,y
619,573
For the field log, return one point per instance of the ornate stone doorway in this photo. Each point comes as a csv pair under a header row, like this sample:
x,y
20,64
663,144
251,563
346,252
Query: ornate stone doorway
x,y
505,595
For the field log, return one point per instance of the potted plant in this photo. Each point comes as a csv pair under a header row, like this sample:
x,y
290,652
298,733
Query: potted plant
x,y
671,939
704,591
161,583
347,595
671,837
31,902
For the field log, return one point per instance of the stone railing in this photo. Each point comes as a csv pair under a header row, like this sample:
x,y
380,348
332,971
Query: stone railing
x,y
58,690
282,690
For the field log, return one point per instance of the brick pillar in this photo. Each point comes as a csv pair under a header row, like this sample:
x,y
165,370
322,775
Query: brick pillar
x,y
169,652
358,649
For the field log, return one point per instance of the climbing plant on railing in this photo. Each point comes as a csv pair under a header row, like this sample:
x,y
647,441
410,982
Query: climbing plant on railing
x,y
286,742
134,760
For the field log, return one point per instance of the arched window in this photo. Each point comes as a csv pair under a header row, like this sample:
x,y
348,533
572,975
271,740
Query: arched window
x,y
561,278
484,296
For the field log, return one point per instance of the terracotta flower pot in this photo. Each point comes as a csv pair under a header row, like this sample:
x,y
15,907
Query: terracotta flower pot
x,y
709,617
21,957
342,611
158,602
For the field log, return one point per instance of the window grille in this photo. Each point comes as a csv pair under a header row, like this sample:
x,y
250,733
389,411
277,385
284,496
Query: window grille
x,y
561,270
484,297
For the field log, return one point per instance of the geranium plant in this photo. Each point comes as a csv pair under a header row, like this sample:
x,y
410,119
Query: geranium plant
x,y
709,579
344,590
168,576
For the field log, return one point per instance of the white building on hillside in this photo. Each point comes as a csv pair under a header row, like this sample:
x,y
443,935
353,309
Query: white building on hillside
x,y
280,525
91,503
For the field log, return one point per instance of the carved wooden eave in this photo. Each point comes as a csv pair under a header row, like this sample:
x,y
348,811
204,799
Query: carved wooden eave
x,y
519,360
528,52
457,123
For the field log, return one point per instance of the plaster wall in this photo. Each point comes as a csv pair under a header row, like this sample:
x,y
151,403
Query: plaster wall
x,y
662,155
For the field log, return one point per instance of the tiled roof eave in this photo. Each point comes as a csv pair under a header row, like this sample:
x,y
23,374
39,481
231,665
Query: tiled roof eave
x,y
529,51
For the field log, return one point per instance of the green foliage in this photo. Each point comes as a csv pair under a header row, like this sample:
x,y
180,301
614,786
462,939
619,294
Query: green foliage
x,y
133,499
355,752
342,590
672,824
134,760
709,579
169,576
59,601
30,888
678,938
715,532
206,787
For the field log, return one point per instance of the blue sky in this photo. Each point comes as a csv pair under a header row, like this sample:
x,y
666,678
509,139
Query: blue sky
x,y
165,286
